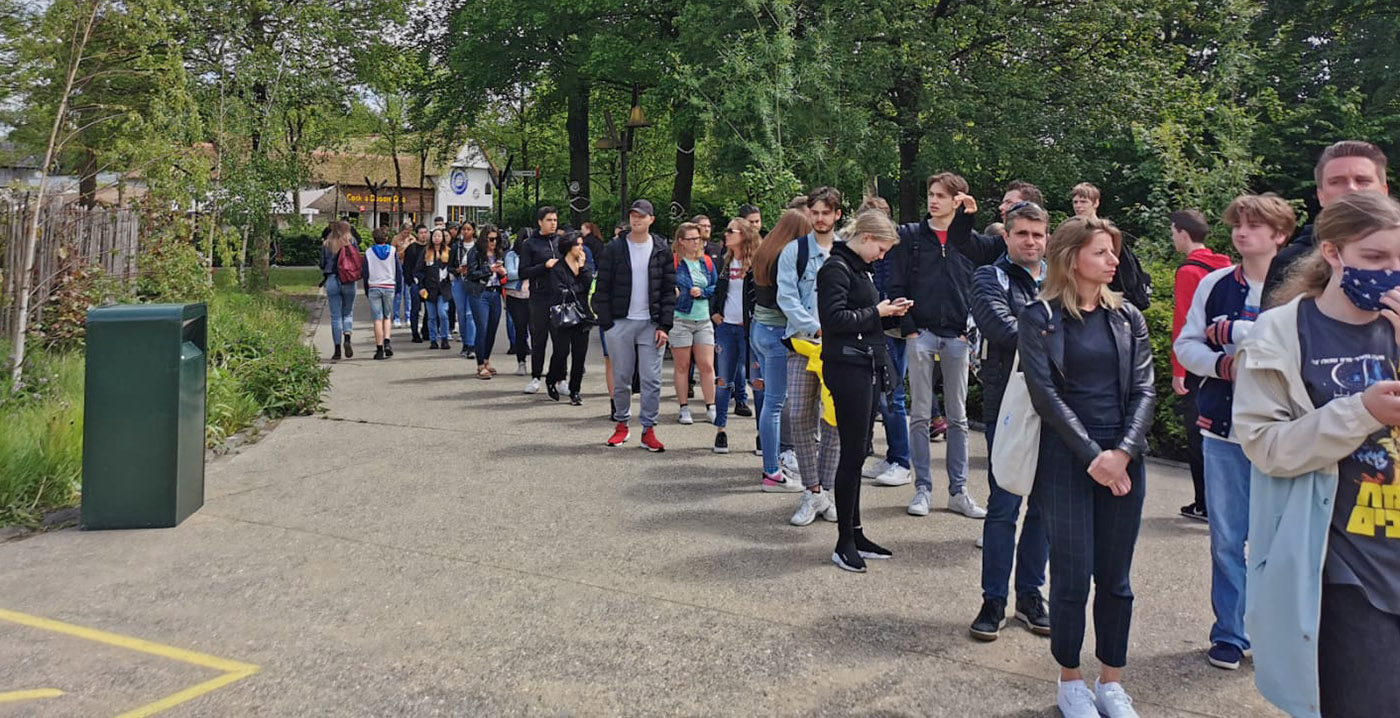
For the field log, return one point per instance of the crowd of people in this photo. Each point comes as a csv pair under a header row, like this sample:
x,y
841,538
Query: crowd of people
x,y
1285,363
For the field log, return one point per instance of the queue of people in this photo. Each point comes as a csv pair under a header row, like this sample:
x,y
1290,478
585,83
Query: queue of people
x,y
1286,365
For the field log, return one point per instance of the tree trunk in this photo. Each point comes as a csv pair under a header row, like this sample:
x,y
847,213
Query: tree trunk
x,y
87,179
907,96
398,187
685,171
576,123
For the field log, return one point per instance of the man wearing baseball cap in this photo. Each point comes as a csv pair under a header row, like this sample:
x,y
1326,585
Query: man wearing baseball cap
x,y
635,302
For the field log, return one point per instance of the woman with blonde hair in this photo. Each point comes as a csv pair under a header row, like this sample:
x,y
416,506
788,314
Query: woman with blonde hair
x,y
731,310
1317,412
1088,368
340,295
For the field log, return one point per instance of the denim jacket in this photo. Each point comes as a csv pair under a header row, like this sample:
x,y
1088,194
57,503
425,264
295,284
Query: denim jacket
x,y
513,280
683,283
797,296
1294,448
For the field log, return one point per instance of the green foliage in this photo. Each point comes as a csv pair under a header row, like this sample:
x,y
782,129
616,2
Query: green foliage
x,y
79,287
170,268
256,350
41,439
300,247
1168,436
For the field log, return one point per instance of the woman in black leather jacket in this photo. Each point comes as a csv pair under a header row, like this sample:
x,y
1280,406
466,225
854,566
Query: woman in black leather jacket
x,y
1088,368
854,360
485,275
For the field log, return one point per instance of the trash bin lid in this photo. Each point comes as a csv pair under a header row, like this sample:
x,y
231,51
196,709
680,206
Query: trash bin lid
x,y
146,312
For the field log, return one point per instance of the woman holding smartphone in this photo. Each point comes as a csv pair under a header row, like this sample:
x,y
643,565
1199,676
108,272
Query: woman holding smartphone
x,y
485,273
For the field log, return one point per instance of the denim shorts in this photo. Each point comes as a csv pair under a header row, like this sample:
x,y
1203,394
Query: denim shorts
x,y
381,303
689,332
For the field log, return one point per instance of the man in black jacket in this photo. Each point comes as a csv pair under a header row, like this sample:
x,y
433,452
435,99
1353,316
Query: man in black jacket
x,y
1344,167
932,265
411,254
635,302
1000,292
538,254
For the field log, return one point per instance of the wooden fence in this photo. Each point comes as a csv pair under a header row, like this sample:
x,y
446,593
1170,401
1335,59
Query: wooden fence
x,y
68,233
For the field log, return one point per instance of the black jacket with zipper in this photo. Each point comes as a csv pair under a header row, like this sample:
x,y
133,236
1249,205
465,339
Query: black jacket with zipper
x,y
853,332
432,278
412,255
1041,342
995,309
534,251
613,293
572,287
939,277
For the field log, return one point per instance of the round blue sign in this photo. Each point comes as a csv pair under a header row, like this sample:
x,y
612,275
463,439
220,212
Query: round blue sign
x,y
458,181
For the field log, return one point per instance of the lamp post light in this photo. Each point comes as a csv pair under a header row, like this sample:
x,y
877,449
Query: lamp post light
x,y
636,120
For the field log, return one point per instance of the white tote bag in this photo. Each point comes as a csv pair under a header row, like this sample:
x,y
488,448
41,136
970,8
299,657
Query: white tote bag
x,y
1016,447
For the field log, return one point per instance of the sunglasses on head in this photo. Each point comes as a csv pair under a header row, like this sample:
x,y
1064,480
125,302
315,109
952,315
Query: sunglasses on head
x,y
1022,204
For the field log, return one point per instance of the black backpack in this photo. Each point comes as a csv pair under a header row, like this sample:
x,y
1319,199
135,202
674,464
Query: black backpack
x,y
1131,279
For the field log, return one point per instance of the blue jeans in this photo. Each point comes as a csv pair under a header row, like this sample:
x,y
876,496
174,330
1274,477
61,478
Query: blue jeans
x,y
437,318
400,296
771,356
486,309
732,358
465,324
1227,495
341,298
999,544
895,418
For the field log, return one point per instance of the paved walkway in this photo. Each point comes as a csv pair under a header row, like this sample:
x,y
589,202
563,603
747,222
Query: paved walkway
x,y
436,545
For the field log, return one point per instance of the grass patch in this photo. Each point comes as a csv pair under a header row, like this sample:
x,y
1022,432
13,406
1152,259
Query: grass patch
x,y
41,438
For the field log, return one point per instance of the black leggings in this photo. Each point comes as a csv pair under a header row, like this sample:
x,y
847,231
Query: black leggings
x,y
570,345
853,394
1186,407
539,334
1353,638
519,310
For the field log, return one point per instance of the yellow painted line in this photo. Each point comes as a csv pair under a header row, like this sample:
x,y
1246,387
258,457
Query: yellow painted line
x,y
37,693
232,670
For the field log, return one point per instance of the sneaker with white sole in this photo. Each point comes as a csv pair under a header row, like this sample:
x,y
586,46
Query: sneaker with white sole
x,y
533,386
830,513
721,443
398,324
1075,700
813,503
787,463
711,413
779,484
870,471
685,417
919,506
520,368
896,475
1113,701
961,503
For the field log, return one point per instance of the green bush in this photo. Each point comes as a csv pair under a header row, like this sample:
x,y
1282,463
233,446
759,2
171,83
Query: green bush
x,y
170,268
41,438
298,247
1168,438
256,353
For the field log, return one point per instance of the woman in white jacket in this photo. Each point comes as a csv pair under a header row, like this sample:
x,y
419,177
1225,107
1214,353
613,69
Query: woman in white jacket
x,y
1317,412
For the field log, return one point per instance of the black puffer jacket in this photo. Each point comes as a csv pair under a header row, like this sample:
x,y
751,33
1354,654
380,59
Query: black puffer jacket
x,y
1284,261
938,278
1041,341
995,309
853,332
613,292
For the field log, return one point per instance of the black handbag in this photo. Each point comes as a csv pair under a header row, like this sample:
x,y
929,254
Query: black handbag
x,y
567,314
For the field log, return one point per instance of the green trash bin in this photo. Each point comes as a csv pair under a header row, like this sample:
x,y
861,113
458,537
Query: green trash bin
x,y
144,415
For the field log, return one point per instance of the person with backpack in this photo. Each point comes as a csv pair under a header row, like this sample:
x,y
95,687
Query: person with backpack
x,y
1087,364
381,275
1131,280
1223,312
1000,292
693,335
1188,237
1317,412
434,275
341,267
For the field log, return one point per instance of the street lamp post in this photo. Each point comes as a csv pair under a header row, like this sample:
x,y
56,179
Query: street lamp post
x,y
636,120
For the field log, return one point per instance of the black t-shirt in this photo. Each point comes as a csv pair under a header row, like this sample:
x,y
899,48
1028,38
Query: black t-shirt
x,y
1363,547
1091,371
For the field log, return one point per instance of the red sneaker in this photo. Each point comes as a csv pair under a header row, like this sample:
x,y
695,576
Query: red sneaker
x,y
620,434
649,441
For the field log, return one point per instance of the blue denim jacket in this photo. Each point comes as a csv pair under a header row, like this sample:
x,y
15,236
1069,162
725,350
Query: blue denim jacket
x,y
684,284
513,280
797,296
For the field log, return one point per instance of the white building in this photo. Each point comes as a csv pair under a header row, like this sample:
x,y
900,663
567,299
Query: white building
x,y
463,188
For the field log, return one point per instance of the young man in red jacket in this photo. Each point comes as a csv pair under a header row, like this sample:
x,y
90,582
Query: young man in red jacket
x,y
1188,237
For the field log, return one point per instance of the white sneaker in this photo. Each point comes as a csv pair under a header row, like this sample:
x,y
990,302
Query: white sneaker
x,y
872,470
787,463
896,475
979,542
1076,700
520,368
919,506
830,513
562,387
685,415
1113,701
963,504
398,324
813,503
711,413
533,386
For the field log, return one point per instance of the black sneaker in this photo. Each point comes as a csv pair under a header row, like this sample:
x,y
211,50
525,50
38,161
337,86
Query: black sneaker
x,y
742,409
433,345
1192,511
388,349
721,443
417,338
869,549
987,626
336,355
1030,610
444,345
575,399
551,389
1224,655
379,352
349,352
847,558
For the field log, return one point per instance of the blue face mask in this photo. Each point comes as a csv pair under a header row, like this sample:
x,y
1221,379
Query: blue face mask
x,y
1364,287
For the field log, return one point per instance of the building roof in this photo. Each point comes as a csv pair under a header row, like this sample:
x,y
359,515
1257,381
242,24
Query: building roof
x,y
350,168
